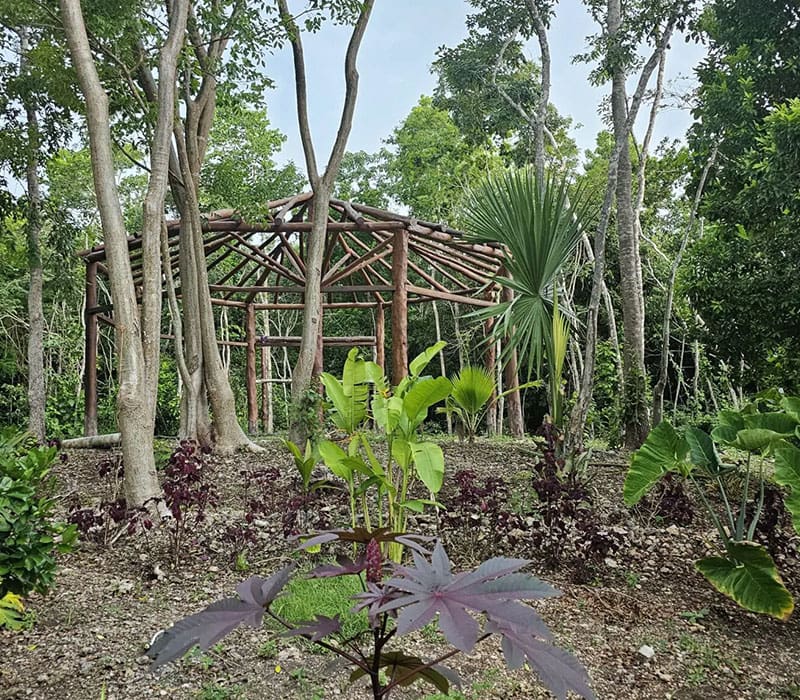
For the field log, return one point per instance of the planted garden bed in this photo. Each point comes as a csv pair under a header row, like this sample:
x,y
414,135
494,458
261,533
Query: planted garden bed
x,y
633,610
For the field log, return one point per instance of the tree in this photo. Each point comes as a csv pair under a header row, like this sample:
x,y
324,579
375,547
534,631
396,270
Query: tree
x,y
363,179
742,275
322,184
138,329
616,50
432,164
495,94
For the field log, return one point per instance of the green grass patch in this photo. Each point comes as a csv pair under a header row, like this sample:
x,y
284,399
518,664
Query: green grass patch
x,y
307,597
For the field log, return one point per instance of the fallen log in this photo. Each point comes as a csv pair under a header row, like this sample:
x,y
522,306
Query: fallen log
x,y
93,442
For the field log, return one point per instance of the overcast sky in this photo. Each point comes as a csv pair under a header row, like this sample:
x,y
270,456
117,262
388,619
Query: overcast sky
x,y
394,65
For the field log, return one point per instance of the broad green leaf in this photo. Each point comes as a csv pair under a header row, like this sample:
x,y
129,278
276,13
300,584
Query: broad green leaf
x,y
336,459
663,451
401,453
429,461
777,422
749,576
418,504
422,395
791,404
420,362
702,450
756,439
728,424
787,473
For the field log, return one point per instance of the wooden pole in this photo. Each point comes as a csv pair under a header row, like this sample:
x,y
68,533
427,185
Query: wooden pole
x,y
252,387
400,306
90,353
267,417
489,361
380,337
516,426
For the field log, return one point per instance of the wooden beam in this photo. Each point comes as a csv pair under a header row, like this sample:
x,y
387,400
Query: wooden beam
x,y
380,337
90,353
291,341
447,296
399,306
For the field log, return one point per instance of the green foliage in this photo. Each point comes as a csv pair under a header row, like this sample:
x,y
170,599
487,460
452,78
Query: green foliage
x,y
432,164
472,74
399,412
540,223
745,572
29,539
473,386
12,611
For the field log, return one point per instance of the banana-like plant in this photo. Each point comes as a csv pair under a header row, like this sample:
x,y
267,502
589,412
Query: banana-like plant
x,y
398,412
745,571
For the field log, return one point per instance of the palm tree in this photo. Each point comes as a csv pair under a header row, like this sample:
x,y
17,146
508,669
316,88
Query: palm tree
x,y
539,224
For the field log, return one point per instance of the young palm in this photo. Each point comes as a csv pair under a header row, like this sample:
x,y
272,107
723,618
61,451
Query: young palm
x,y
539,224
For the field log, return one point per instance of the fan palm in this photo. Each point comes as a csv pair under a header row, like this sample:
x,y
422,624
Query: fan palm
x,y
539,225
472,388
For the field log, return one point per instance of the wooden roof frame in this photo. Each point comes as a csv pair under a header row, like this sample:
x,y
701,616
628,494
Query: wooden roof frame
x,y
373,259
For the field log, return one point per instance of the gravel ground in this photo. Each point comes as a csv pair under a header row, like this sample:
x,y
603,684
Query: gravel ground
x,y
91,631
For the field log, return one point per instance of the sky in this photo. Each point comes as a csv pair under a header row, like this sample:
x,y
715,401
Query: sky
x,y
394,66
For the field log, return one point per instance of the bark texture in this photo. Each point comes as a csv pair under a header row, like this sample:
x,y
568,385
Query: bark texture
x,y
138,330
37,392
322,187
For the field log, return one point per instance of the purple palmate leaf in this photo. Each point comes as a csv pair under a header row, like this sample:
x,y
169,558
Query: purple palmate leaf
x,y
430,588
373,599
219,619
344,566
315,631
203,629
361,535
559,670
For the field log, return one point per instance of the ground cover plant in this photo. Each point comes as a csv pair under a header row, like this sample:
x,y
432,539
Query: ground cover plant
x,y
767,427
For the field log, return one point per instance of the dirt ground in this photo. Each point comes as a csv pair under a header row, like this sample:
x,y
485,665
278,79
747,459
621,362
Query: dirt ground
x,y
91,631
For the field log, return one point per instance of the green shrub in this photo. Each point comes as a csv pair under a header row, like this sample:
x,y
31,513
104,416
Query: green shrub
x,y
29,539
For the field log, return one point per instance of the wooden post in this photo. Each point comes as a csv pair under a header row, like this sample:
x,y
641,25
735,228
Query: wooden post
x,y
516,425
250,369
399,306
90,353
380,337
266,391
489,361
267,413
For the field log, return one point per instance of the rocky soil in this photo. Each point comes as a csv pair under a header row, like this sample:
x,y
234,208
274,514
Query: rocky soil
x,y
644,623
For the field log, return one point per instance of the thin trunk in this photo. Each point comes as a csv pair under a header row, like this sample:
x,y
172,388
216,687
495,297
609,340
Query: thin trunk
x,y
544,89
577,421
442,367
36,375
138,333
658,390
322,186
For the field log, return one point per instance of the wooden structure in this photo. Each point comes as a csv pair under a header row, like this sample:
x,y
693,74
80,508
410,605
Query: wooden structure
x,y
373,259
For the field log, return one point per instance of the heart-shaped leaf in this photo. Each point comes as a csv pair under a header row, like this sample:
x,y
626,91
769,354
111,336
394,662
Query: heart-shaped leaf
x,y
663,451
749,576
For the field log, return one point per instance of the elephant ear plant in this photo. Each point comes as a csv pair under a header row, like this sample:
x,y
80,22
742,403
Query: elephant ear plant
x,y
399,413
745,571
399,600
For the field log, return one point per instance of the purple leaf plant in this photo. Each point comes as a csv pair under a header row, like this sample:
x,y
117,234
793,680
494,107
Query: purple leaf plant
x,y
470,607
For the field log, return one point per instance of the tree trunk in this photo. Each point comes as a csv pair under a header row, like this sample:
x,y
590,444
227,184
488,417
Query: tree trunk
x,y
636,420
138,331
322,186
36,373
577,421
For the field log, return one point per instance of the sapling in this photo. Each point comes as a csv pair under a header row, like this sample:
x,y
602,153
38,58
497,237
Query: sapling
x,y
400,599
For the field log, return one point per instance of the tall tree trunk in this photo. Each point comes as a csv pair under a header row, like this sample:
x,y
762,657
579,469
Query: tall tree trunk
x,y
138,330
36,374
322,186
636,420
577,421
